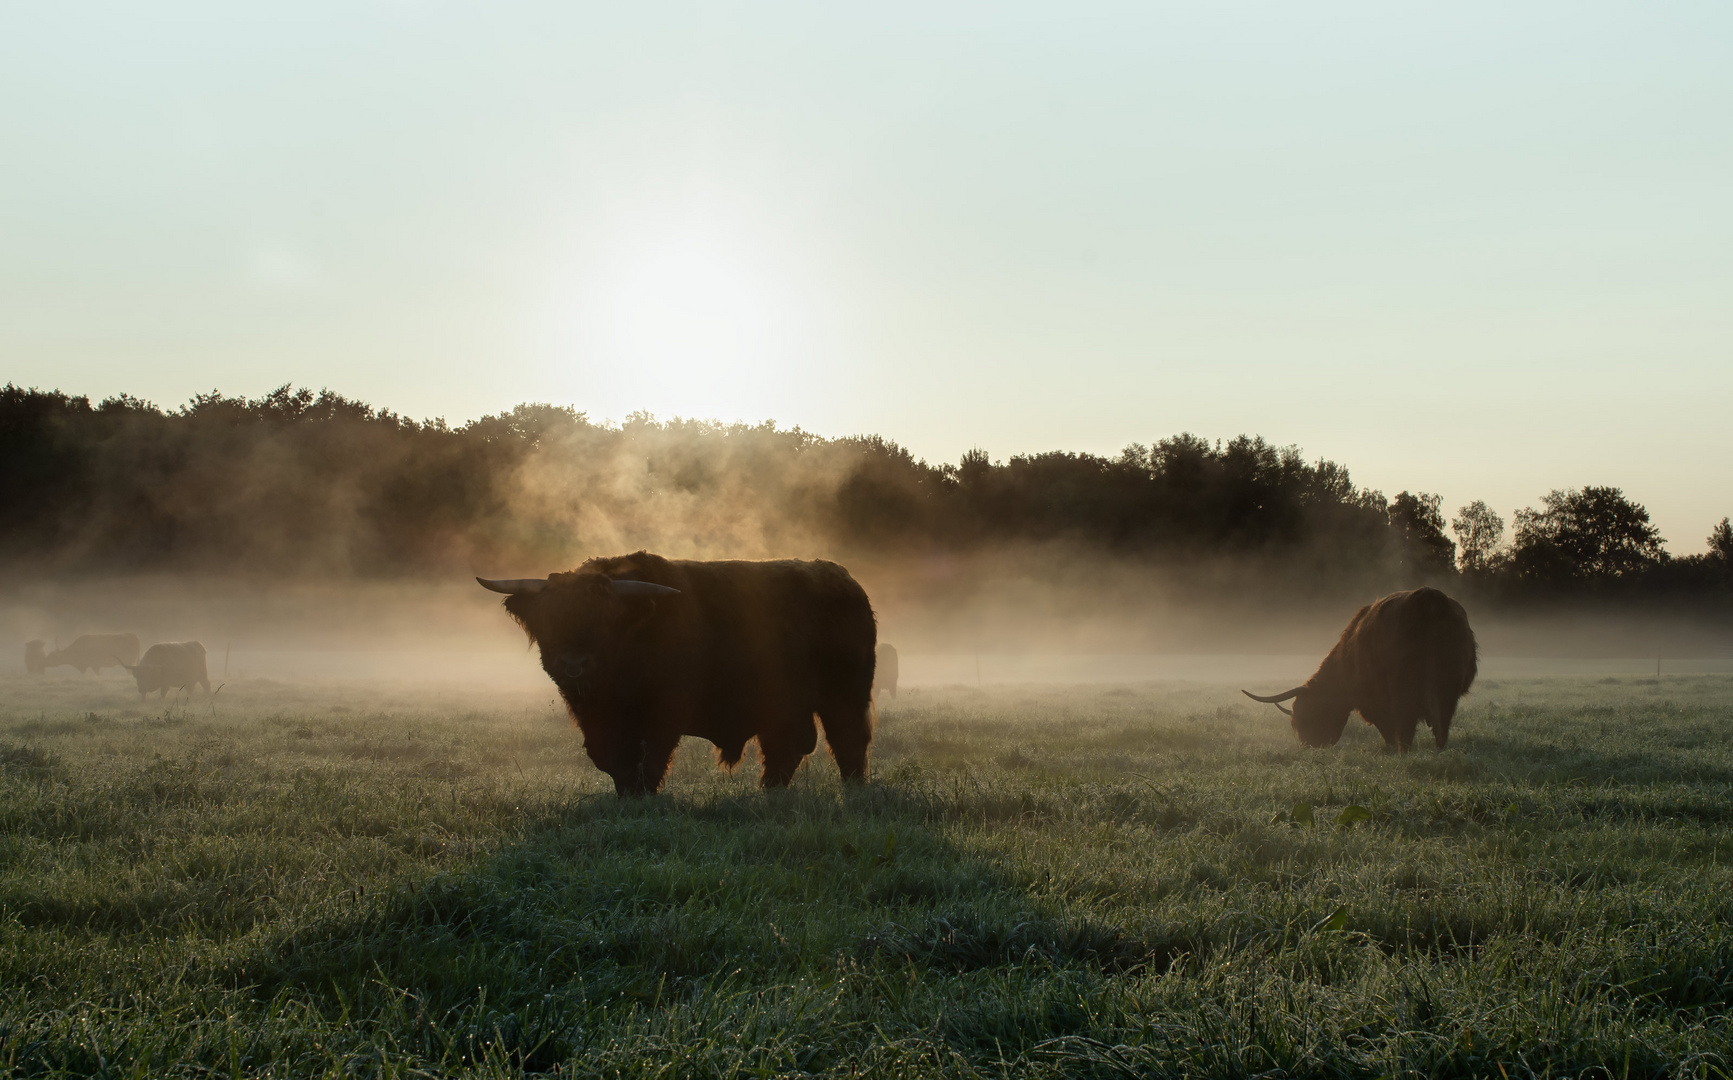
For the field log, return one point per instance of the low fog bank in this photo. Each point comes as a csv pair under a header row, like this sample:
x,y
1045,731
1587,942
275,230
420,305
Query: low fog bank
x,y
1099,628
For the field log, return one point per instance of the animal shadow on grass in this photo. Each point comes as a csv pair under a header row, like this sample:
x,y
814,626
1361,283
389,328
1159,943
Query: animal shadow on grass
x,y
643,901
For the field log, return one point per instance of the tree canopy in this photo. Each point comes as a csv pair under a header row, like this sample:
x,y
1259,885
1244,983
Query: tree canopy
x,y
298,483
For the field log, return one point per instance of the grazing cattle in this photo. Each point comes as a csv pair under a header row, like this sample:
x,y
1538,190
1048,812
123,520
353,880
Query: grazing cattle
x,y
93,652
35,659
645,650
1407,658
885,671
173,665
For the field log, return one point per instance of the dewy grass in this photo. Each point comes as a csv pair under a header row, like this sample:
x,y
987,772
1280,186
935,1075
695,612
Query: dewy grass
x,y
331,879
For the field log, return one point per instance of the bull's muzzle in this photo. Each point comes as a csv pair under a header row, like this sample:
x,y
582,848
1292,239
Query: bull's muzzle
x,y
576,670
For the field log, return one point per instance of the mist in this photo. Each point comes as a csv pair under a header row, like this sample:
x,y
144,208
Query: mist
x,y
312,535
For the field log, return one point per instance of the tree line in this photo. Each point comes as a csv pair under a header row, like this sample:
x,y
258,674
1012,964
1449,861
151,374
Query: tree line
x,y
298,483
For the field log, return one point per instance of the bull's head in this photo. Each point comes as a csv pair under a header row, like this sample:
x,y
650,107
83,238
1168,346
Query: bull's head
x,y
583,622
146,676
1317,718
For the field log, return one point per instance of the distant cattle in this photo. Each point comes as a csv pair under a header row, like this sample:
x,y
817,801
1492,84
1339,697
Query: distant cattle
x,y
89,652
885,671
35,659
1405,659
173,665
645,650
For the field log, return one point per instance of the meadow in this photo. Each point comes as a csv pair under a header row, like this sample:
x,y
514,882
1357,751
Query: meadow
x,y
349,879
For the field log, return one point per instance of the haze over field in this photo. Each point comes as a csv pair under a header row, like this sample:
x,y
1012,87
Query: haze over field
x,y
1471,250
1124,354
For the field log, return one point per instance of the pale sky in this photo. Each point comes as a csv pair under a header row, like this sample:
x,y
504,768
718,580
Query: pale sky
x,y
1479,249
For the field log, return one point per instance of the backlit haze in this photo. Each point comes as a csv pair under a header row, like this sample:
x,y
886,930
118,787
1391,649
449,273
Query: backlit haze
x,y
1482,250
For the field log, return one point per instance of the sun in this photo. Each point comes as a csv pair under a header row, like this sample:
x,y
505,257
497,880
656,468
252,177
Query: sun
x,y
698,311
694,305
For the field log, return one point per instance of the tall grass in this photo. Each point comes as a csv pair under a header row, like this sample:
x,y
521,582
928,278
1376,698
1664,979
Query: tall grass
x,y
327,879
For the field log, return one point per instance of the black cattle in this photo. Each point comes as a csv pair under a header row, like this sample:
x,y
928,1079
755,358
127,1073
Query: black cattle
x,y
89,652
646,650
885,671
173,665
1405,659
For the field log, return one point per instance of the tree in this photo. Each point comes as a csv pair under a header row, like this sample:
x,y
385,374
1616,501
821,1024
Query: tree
x,y
1592,534
1721,542
1419,522
1479,530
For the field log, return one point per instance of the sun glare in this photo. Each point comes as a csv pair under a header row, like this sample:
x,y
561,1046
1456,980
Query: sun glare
x,y
688,303
686,313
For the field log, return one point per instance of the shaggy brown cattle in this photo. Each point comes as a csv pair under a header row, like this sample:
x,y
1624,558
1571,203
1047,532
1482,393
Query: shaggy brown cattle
x,y
1407,658
885,672
646,650
92,652
172,665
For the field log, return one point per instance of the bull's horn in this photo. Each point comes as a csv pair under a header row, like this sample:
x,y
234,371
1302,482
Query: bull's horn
x,y
1274,699
624,587
514,586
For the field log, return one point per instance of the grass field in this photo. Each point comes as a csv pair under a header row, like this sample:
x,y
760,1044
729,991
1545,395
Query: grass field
x,y
335,879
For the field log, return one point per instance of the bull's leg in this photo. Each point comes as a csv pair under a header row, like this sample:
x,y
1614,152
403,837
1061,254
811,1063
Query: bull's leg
x,y
1441,729
849,731
1398,732
1443,711
638,768
782,754
1405,735
658,757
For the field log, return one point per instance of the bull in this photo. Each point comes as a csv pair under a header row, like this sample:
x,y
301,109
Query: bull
x,y
885,671
1405,659
90,652
172,665
645,650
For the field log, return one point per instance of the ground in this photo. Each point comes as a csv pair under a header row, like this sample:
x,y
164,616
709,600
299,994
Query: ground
x,y
341,879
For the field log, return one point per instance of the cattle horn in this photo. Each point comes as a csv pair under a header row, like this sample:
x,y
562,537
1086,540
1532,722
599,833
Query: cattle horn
x,y
1274,698
626,587
514,586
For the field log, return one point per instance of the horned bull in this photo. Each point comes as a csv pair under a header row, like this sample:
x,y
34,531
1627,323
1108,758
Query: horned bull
x,y
88,652
1403,660
646,650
